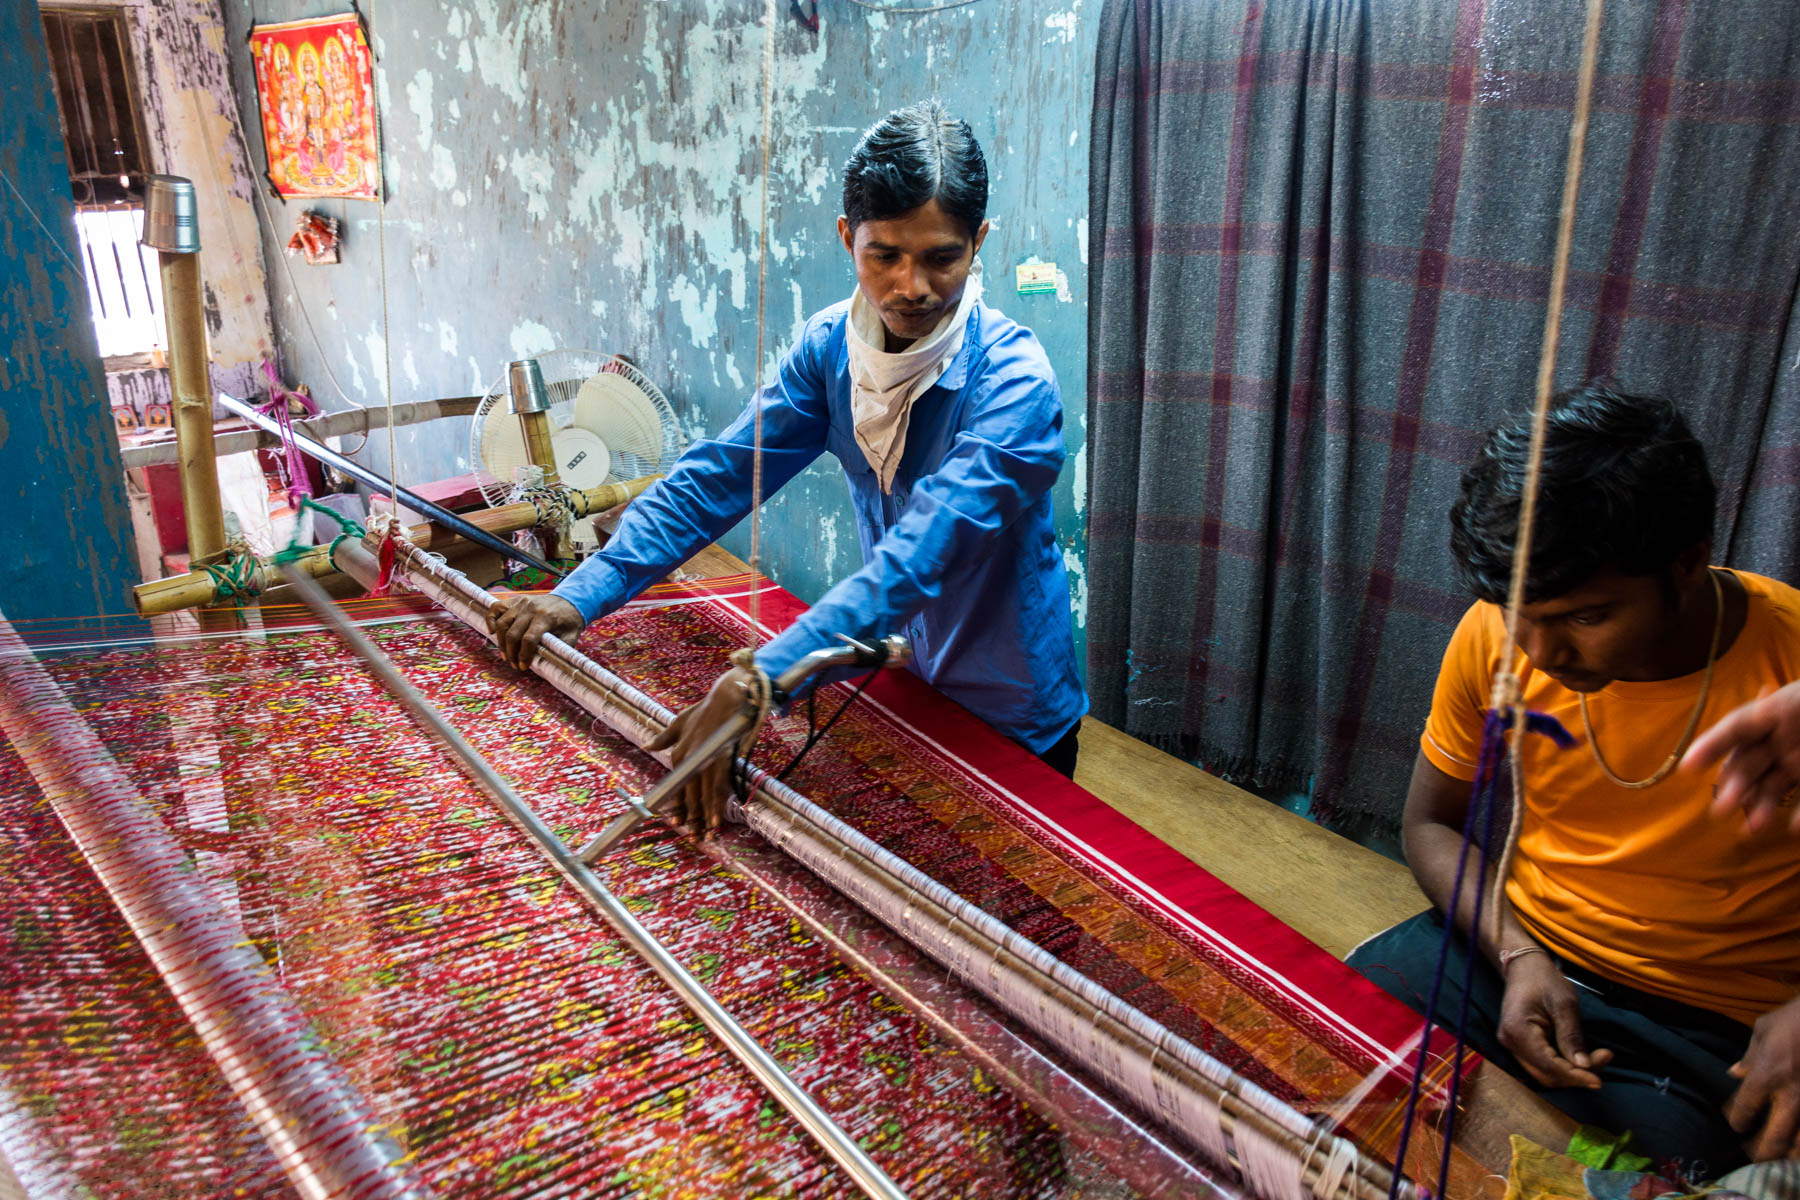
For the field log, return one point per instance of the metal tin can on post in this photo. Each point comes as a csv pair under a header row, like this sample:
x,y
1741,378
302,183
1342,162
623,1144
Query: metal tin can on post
x,y
531,404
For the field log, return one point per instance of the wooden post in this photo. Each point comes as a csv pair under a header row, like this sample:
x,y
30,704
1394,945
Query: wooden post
x,y
530,402
192,394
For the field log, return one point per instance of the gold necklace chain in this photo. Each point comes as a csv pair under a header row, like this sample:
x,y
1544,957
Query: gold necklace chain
x,y
1712,657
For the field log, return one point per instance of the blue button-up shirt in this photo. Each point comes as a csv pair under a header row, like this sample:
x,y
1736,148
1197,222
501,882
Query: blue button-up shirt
x,y
960,557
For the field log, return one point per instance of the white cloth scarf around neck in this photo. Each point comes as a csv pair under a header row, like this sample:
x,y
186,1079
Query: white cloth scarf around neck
x,y
883,386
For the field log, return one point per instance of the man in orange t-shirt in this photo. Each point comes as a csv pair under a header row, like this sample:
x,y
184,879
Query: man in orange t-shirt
x,y
1650,925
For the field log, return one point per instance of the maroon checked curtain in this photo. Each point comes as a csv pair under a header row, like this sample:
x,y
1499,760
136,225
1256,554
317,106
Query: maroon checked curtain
x,y
1320,236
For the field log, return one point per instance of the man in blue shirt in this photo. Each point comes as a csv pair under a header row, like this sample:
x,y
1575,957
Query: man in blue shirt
x,y
948,423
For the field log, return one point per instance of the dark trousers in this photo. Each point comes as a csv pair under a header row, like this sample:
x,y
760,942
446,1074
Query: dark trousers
x,y
1061,757
1667,1082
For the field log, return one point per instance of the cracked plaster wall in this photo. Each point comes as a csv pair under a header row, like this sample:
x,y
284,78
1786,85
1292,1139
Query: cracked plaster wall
x,y
585,174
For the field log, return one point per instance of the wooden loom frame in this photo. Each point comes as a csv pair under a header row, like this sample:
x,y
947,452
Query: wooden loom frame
x,y
787,821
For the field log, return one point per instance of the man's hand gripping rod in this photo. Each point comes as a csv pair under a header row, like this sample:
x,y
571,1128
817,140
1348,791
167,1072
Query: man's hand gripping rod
x,y
890,651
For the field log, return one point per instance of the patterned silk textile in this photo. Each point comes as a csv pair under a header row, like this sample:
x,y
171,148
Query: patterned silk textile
x,y
510,1042
936,786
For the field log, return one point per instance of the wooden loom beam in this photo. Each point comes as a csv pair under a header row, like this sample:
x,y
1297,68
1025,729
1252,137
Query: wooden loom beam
x,y
360,421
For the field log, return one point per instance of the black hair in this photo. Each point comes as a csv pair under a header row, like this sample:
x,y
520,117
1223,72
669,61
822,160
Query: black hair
x,y
911,156
1624,485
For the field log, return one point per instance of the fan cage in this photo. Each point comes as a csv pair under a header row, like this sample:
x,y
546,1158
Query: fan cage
x,y
564,372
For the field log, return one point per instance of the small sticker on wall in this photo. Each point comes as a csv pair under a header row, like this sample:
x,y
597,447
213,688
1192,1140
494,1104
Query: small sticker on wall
x,y
1042,279
1036,277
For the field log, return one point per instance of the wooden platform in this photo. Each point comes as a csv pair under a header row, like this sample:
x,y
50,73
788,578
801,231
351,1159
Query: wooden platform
x,y
1333,891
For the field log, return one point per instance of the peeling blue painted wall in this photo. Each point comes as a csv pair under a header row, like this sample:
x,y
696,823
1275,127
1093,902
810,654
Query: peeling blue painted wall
x,y
574,174
65,549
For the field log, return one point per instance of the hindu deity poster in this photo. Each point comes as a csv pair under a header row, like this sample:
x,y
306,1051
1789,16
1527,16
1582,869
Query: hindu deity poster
x,y
317,94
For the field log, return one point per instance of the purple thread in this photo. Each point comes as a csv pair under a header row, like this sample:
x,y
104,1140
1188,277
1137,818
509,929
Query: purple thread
x,y
1483,792
1482,804
277,407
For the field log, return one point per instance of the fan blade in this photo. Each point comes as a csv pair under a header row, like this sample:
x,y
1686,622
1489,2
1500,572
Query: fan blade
x,y
621,415
503,446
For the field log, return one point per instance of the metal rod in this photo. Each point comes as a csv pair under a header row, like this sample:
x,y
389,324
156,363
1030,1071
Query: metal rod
x,y
833,1140
356,470
331,424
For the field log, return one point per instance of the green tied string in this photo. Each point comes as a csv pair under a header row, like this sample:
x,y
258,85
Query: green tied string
x,y
347,528
234,579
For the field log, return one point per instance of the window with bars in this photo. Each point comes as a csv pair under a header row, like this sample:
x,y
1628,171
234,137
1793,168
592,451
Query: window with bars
x,y
103,134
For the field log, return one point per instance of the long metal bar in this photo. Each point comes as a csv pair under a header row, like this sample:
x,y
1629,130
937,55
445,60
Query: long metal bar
x,y
356,470
833,1140
331,424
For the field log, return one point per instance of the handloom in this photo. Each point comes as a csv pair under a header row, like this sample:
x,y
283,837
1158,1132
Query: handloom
x,y
505,1042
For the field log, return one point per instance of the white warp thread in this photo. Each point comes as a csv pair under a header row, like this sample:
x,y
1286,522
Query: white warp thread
x,y
1335,1172
1270,1169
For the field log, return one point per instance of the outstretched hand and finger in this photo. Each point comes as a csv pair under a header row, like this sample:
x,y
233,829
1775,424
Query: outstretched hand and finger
x,y
1758,748
521,620
1766,1106
1540,1022
701,801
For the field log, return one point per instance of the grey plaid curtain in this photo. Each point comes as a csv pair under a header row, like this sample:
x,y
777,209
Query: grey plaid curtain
x,y
1321,234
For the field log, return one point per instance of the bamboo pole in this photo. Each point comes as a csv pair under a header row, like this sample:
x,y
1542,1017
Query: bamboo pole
x,y
199,588
192,393
538,447
196,589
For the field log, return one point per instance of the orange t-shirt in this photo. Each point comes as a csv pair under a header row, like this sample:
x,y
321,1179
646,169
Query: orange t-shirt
x,y
1642,886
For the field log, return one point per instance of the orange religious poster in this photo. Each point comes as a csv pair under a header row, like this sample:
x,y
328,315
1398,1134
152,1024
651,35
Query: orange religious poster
x,y
317,95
